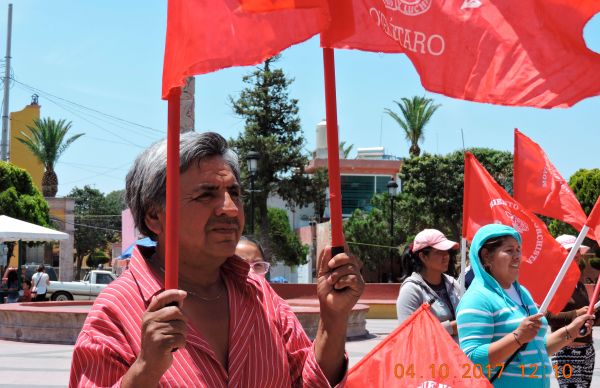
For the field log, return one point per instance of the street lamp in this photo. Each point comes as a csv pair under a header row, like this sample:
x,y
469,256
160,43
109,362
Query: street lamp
x,y
252,160
392,187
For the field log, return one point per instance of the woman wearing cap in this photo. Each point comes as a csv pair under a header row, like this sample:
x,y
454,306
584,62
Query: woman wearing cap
x,y
579,356
497,316
250,250
426,261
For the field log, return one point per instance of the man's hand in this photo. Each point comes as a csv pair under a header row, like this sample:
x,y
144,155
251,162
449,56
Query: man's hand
x,y
339,284
163,330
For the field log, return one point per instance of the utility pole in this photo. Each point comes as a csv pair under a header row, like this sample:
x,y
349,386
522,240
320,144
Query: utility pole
x,y
4,153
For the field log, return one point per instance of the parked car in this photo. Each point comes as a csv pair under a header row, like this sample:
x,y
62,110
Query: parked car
x,y
32,268
87,289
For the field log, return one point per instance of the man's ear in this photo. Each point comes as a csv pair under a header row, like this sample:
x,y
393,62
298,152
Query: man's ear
x,y
154,221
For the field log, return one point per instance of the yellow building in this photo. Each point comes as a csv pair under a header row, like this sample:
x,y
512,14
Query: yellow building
x,y
19,154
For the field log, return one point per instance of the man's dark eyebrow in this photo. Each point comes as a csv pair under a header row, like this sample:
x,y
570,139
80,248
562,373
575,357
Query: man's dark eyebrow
x,y
211,187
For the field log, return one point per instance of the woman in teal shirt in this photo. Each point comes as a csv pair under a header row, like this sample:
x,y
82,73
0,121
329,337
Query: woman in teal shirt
x,y
497,315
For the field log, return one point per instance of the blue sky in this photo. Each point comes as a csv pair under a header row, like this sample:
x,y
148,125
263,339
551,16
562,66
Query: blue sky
x,y
107,55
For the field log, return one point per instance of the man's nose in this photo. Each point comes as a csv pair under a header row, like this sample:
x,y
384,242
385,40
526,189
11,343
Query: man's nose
x,y
228,208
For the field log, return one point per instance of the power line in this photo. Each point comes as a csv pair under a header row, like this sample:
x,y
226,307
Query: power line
x,y
88,108
84,225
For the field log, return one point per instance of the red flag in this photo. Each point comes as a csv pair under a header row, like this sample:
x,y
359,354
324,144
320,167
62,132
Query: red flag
x,y
486,202
526,53
593,220
208,35
274,5
419,353
539,186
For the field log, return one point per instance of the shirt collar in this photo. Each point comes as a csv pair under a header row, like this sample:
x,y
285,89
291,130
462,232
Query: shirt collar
x,y
234,268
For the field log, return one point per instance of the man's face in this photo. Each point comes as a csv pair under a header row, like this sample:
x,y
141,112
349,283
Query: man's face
x,y
210,211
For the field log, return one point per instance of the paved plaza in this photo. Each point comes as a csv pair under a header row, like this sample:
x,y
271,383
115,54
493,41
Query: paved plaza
x,y
43,365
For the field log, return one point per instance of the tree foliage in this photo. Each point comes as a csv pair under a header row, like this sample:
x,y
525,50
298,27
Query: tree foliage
x,y
47,142
97,222
432,188
431,197
414,115
273,130
585,184
285,244
19,198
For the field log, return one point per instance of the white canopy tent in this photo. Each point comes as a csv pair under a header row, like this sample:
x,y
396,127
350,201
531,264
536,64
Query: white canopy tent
x,y
12,229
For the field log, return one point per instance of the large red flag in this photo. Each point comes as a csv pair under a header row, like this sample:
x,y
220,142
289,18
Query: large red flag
x,y
208,35
273,5
593,220
539,186
526,53
486,202
418,354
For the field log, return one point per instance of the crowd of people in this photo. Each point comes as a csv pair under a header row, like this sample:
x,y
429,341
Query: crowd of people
x,y
225,326
496,322
27,290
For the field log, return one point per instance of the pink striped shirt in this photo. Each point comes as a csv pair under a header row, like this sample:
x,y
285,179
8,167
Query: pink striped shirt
x,y
267,345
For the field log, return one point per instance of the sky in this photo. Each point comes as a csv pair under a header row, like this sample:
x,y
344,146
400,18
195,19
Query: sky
x,y
99,65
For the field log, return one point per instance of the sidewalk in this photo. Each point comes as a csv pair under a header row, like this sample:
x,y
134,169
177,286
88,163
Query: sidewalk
x,y
43,365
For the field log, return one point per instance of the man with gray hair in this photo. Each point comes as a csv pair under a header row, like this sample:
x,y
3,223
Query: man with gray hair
x,y
225,326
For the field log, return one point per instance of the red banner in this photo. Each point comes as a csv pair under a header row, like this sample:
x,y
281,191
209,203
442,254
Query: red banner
x,y
539,186
526,53
208,35
593,220
274,5
418,354
486,202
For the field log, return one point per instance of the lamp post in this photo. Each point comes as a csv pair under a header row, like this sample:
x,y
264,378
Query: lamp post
x,y
313,248
392,187
252,160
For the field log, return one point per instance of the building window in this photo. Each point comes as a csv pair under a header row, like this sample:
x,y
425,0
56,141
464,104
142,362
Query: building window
x,y
357,191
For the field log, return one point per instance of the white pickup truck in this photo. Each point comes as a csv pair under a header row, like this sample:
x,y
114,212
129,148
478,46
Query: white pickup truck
x,y
86,289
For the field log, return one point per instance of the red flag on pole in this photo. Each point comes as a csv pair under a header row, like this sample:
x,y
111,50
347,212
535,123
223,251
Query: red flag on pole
x,y
539,186
208,35
593,220
486,202
419,353
274,5
530,53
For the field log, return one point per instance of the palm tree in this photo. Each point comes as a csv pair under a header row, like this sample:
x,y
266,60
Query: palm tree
x,y
345,150
47,143
416,113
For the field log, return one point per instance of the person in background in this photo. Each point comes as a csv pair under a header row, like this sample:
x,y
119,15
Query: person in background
x,y
250,250
26,285
497,316
40,281
12,285
426,260
579,356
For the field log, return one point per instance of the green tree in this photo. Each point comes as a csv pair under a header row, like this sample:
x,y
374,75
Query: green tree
x,y
93,229
47,142
285,244
96,258
20,199
273,130
432,188
585,184
345,149
368,234
414,115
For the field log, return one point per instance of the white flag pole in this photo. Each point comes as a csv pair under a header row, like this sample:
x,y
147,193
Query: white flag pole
x,y
563,269
463,264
